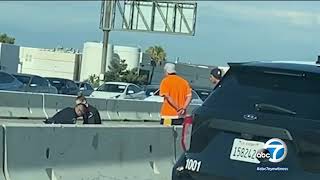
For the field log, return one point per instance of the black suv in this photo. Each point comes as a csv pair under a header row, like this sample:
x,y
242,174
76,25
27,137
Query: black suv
x,y
233,133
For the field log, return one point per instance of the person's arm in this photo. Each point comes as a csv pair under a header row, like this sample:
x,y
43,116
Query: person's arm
x,y
171,102
187,102
183,110
164,92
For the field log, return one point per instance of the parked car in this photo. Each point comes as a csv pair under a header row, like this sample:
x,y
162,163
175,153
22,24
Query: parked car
x,y
64,86
151,89
9,82
232,133
119,90
196,100
36,84
85,88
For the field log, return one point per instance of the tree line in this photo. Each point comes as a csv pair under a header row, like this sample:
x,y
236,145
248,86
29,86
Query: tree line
x,y
118,69
4,38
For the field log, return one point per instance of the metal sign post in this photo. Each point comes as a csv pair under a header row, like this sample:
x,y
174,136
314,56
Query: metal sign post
x,y
105,25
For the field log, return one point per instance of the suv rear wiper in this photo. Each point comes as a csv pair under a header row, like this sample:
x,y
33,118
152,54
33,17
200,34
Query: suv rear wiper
x,y
270,107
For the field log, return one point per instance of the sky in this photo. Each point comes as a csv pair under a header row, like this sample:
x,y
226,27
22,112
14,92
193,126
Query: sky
x,y
226,31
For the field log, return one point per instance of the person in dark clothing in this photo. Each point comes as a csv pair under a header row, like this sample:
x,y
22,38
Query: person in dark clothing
x,y
92,116
215,75
68,115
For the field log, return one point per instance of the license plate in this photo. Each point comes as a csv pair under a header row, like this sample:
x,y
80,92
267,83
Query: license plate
x,y
243,150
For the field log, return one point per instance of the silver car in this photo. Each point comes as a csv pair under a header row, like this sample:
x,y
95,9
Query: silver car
x,y
36,84
9,82
119,90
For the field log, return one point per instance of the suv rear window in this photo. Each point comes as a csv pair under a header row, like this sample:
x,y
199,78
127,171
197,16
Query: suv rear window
x,y
241,89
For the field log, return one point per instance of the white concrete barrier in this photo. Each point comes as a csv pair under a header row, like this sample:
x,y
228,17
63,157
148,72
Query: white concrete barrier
x,y
113,110
89,152
128,109
155,115
101,105
177,139
35,105
54,103
137,110
21,105
2,154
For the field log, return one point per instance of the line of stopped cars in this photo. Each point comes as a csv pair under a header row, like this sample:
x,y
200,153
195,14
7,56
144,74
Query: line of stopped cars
x,y
108,90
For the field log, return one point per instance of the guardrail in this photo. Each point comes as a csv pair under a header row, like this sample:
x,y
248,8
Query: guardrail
x,y
36,105
64,152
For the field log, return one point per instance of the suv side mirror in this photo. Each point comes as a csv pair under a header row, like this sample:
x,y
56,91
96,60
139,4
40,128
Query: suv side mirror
x,y
151,94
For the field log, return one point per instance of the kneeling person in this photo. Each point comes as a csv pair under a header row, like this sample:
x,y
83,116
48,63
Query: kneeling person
x,y
92,116
68,115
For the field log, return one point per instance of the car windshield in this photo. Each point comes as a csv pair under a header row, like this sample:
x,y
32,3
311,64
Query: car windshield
x,y
56,83
114,88
23,79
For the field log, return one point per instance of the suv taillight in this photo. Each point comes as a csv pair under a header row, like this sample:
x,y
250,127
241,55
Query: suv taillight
x,y
186,133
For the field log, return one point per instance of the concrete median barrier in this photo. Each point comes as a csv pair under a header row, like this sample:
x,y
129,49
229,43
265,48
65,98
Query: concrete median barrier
x,y
2,154
133,110
155,111
35,105
21,105
126,111
89,152
177,140
101,105
54,103
113,110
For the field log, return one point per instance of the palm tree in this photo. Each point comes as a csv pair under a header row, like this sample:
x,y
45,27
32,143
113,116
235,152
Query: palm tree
x,y
158,56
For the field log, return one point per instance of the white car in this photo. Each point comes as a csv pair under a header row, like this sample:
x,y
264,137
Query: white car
x,y
196,100
118,90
